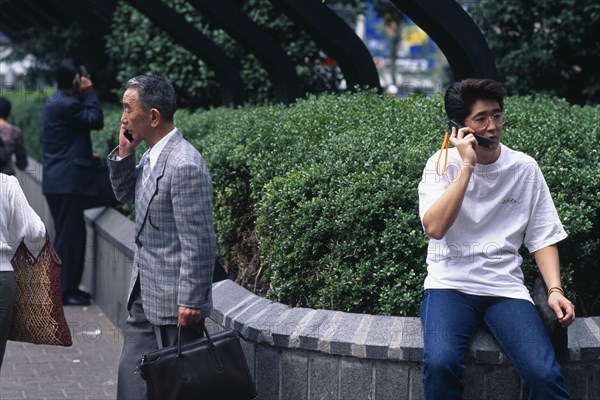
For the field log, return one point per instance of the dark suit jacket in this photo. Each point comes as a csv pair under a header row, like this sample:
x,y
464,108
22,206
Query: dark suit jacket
x,y
69,166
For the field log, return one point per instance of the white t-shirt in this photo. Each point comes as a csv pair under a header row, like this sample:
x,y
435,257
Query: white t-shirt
x,y
506,204
18,221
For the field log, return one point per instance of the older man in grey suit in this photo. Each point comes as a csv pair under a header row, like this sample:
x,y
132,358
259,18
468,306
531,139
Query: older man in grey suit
x,y
173,265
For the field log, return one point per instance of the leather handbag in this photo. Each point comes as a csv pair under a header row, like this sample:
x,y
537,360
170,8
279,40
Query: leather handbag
x,y
38,315
213,367
558,335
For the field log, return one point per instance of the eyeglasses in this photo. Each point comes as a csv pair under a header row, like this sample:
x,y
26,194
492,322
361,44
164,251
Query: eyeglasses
x,y
483,121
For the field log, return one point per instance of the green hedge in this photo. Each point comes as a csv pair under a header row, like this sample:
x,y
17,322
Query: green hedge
x,y
325,192
27,107
316,203
27,110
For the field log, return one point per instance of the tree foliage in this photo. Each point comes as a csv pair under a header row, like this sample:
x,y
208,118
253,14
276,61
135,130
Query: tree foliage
x,y
137,46
45,48
140,47
550,46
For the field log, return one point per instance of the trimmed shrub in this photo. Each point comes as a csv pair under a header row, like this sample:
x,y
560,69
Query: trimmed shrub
x,y
325,192
316,204
564,141
26,114
341,230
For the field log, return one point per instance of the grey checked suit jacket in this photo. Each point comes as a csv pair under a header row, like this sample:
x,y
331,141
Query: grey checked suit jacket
x,y
174,231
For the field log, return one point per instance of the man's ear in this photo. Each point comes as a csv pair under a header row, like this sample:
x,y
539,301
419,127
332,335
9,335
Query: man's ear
x,y
154,117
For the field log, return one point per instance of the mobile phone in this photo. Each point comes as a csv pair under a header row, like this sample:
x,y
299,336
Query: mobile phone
x,y
481,140
128,135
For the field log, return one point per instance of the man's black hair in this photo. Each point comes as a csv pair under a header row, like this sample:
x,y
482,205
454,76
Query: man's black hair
x,y
461,96
5,108
66,71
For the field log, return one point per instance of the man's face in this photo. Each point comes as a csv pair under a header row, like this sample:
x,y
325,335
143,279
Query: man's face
x,y
134,118
481,120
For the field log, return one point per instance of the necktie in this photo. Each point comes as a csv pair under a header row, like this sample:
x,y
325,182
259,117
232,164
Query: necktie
x,y
146,170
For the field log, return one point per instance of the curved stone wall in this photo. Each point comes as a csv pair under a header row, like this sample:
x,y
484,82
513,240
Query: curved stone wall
x,y
306,354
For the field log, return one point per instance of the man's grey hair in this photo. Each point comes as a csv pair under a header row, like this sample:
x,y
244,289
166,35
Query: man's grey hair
x,y
155,92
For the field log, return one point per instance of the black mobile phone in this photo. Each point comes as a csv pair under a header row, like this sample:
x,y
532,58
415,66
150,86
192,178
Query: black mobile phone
x,y
128,135
482,141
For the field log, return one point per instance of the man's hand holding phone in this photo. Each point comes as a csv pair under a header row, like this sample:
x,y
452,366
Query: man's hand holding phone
x,y
465,144
481,140
82,83
85,85
127,143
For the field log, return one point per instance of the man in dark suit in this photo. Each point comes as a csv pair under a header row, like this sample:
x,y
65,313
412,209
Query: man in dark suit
x,y
70,169
171,281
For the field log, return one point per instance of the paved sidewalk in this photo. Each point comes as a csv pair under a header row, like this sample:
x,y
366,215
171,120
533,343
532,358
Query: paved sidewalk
x,y
85,371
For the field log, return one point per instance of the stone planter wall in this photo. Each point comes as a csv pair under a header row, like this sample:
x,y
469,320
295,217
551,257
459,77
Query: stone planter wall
x,y
306,354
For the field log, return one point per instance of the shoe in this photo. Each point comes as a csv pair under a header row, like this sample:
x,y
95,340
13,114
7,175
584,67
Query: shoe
x,y
81,293
75,301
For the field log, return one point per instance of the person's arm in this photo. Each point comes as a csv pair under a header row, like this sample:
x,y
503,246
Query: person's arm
x,y
24,223
191,193
123,174
548,263
87,113
122,168
441,215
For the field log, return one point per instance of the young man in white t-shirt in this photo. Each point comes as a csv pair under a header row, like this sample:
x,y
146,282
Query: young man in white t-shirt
x,y
477,214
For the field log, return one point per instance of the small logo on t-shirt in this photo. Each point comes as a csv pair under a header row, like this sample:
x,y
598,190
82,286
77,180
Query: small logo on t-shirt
x,y
510,200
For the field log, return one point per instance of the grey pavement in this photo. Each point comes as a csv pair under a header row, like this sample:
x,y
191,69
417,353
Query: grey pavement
x,y
85,371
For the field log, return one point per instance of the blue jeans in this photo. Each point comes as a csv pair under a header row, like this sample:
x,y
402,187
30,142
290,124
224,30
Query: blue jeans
x,y
450,319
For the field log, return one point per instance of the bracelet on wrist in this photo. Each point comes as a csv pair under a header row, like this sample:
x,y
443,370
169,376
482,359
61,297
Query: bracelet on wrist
x,y
556,289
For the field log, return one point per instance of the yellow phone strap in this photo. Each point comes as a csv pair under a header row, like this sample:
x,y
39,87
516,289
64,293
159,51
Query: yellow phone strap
x,y
444,147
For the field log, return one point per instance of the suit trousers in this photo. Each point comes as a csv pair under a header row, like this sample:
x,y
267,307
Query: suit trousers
x,y
140,337
70,237
70,232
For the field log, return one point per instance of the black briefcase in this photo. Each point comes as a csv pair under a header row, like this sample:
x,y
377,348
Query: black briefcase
x,y
211,368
